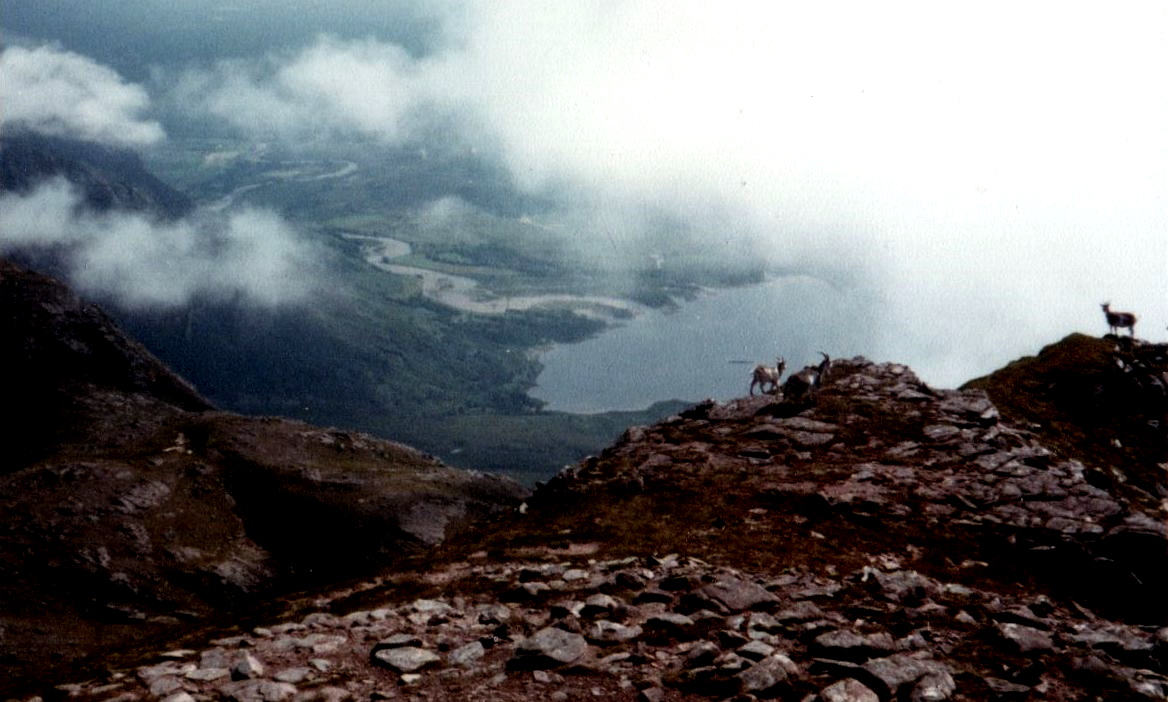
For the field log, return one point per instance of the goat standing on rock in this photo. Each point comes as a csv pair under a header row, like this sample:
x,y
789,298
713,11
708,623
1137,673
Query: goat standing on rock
x,y
1119,320
767,375
806,382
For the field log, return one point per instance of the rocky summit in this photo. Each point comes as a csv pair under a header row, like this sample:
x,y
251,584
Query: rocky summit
x,y
880,540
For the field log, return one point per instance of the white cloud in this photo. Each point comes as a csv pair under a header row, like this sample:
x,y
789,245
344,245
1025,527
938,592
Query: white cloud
x,y
251,255
60,93
989,173
331,88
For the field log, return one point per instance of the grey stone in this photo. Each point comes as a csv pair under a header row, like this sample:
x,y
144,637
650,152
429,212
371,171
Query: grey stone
x,y
906,587
207,674
608,632
431,607
850,646
320,644
324,694
702,655
494,614
898,670
257,691
934,687
549,648
735,595
468,654
669,624
293,675
216,658
406,659
574,574
566,610
810,439
799,612
942,432
248,667
762,677
321,620
164,685
398,641
1007,691
651,694
600,604
756,650
525,592
848,690
1025,639
148,673
728,638
806,424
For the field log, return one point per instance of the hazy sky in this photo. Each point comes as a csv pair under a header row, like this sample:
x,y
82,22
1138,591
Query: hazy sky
x,y
981,175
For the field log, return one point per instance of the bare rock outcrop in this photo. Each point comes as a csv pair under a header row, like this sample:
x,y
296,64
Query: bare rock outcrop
x,y
888,542
130,509
882,540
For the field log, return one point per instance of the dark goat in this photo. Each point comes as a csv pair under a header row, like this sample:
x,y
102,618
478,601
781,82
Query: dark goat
x,y
806,382
1119,320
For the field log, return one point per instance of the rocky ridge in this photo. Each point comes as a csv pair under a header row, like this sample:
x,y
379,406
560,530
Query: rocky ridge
x,y
888,541
670,628
1104,401
131,511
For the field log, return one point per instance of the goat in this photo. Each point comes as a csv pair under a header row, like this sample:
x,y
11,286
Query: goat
x,y
806,382
767,375
1119,320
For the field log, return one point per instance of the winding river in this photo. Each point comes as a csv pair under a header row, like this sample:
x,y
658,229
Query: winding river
x,y
467,295
705,347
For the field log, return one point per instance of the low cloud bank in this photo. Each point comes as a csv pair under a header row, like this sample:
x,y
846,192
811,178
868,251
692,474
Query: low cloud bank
x,y
247,255
331,89
60,93
983,175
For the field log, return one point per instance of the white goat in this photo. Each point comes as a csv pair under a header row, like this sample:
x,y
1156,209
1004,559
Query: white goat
x,y
1119,320
806,382
767,375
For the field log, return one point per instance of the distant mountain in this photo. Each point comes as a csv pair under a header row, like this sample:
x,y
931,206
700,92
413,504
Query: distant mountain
x,y
131,509
110,178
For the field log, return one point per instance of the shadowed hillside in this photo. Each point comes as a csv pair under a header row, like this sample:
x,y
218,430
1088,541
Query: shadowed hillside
x,y
881,540
1102,401
132,511
108,178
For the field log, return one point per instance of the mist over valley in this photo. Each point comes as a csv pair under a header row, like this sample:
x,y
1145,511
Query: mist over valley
x,y
716,188
648,350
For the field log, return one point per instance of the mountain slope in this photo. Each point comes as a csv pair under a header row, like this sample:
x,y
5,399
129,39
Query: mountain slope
x,y
108,178
73,377
886,541
131,510
1103,401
